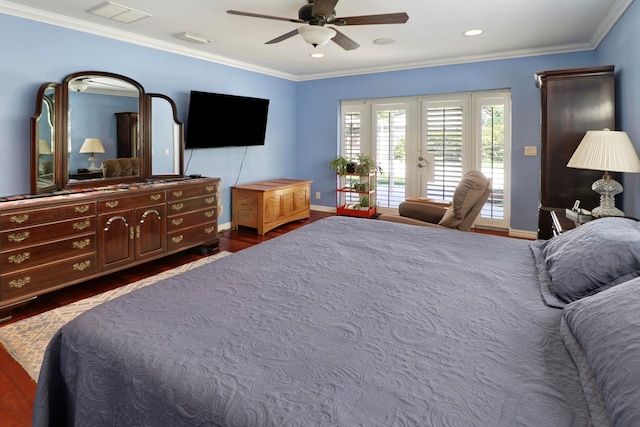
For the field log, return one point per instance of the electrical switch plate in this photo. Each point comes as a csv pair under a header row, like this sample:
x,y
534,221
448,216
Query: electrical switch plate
x,y
530,150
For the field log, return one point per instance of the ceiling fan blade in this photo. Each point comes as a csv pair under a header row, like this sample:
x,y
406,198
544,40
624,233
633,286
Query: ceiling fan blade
x,y
283,37
323,8
257,15
385,18
344,42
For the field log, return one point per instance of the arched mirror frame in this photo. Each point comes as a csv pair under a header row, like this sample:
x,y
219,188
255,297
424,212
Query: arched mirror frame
x,y
64,134
61,123
177,137
39,185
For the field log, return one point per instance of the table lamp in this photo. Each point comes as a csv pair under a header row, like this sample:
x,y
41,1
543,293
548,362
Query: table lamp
x,y
607,151
92,145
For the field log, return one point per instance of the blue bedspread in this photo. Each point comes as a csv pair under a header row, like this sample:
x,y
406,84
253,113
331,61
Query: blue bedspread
x,y
342,322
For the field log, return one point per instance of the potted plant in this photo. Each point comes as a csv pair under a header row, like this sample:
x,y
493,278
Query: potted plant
x,y
343,165
366,164
364,203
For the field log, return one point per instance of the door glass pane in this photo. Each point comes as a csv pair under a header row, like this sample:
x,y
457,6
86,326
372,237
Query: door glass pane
x,y
391,135
493,158
444,140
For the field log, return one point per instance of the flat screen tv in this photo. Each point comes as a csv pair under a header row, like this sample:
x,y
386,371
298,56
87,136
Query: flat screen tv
x,y
218,120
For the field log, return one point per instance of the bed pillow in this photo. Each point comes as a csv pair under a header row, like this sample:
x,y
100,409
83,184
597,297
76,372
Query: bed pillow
x,y
593,257
606,327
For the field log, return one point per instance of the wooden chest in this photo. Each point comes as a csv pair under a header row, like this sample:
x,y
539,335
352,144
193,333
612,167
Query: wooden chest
x,y
266,205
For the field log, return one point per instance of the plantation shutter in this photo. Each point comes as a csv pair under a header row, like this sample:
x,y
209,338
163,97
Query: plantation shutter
x,y
444,137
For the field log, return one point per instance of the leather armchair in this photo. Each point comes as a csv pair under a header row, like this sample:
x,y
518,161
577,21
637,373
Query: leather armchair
x,y
470,195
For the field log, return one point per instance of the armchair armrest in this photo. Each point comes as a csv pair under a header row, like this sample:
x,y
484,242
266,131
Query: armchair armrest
x,y
422,211
410,221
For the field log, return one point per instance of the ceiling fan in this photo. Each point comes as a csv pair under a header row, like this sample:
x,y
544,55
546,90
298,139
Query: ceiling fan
x,y
317,14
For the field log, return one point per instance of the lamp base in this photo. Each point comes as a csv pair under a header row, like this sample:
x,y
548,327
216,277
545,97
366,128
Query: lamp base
x,y
607,188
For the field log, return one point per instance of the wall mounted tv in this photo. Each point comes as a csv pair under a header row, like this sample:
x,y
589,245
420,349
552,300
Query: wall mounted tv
x,y
218,120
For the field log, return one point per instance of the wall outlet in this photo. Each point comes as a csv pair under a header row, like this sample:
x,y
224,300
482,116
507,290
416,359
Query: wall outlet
x,y
530,150
317,195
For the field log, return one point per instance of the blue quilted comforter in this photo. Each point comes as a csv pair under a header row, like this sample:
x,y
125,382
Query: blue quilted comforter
x,y
342,322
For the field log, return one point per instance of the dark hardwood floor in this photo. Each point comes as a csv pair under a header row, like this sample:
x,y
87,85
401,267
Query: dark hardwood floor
x,y
17,389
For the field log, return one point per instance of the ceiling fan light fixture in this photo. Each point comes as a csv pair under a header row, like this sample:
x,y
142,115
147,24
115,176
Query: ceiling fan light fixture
x,y
316,35
317,55
78,85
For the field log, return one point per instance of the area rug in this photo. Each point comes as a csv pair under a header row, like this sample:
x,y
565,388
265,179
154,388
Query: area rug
x,y
26,340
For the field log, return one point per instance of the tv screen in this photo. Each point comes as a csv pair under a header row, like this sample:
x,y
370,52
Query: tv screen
x,y
217,120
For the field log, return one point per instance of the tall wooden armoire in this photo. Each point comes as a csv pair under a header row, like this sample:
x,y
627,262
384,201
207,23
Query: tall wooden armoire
x,y
573,102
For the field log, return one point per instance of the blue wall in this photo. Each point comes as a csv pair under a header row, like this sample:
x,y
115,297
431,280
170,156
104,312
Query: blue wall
x,y
34,53
317,147
302,134
621,47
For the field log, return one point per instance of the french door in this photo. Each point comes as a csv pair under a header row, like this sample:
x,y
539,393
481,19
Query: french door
x,y
424,145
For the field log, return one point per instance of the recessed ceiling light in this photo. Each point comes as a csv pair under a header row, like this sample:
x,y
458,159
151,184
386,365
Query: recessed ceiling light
x,y
317,55
383,41
473,32
118,12
193,38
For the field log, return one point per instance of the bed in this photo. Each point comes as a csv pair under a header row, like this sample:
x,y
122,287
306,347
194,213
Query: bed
x,y
354,322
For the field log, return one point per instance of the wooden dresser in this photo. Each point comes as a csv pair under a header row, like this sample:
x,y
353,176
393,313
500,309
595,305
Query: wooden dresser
x,y
266,205
54,241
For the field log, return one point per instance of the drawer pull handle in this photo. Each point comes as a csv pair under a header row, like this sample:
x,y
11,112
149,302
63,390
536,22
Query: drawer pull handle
x,y
155,197
210,214
81,266
19,237
19,219
81,244
18,283
209,230
112,204
209,200
131,233
177,193
177,207
177,221
177,239
19,259
81,225
82,209
210,188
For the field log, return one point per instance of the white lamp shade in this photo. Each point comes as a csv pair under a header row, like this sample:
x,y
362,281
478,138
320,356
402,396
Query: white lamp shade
x,y
605,150
316,35
92,145
44,147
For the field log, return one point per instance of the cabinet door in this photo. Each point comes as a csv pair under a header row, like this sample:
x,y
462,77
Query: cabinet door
x,y
150,231
116,233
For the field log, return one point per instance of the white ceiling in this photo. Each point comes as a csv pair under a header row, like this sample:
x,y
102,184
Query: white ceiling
x,y
432,36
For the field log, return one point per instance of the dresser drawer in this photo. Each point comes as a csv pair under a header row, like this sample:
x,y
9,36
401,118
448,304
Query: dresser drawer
x,y
43,277
195,191
189,205
191,219
33,256
192,236
120,203
38,216
41,233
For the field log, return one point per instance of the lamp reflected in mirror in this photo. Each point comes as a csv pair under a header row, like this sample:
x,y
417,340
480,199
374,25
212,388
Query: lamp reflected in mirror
x,y
93,146
607,151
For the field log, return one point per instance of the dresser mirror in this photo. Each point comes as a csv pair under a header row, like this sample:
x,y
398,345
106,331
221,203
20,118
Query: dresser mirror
x,y
102,129
165,136
43,134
